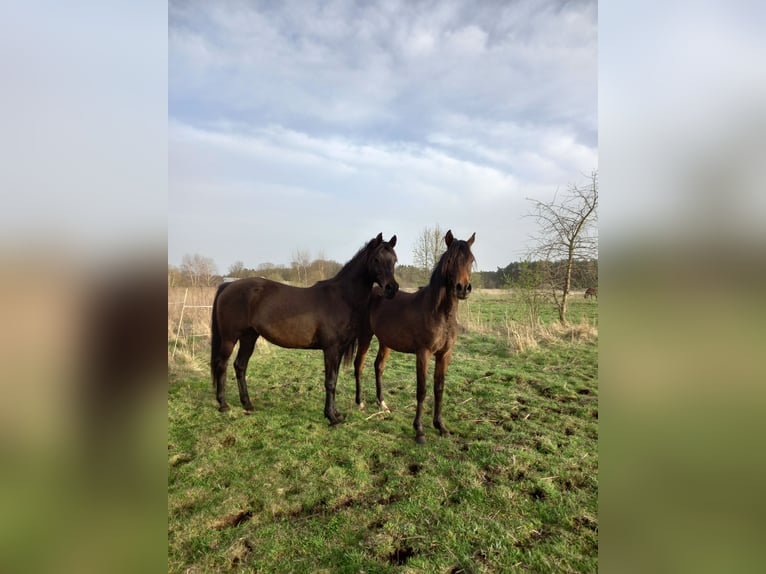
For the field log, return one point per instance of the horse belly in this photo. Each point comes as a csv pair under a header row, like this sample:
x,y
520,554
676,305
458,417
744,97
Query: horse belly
x,y
290,332
395,335
414,335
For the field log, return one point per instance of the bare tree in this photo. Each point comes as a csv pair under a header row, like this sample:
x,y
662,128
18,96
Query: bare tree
x,y
429,246
236,269
319,264
174,276
300,263
200,270
567,234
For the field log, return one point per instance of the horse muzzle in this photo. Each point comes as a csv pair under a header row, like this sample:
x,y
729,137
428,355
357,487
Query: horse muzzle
x,y
462,291
390,289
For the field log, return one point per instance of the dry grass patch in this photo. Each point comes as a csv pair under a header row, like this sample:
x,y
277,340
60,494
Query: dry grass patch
x,y
503,314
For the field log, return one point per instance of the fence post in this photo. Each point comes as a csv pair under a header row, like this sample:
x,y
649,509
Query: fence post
x,y
178,330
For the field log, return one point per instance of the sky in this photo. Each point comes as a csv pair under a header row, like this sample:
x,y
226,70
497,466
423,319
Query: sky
x,y
297,126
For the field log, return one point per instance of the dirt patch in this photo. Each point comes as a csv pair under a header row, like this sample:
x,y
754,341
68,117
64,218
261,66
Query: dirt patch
x,y
538,493
377,525
390,499
229,441
239,551
585,521
231,520
181,458
401,555
535,537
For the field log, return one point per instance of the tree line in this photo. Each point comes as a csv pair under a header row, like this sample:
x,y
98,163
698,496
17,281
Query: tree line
x,y
535,274
562,258
199,271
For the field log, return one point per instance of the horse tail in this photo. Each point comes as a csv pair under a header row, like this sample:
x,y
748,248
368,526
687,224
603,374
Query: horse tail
x,y
215,332
348,352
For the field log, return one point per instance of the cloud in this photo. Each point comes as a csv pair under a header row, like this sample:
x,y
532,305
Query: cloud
x,y
359,66
543,154
325,187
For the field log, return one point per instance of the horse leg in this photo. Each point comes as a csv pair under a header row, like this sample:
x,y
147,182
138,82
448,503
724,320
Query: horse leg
x,y
363,346
246,346
380,366
422,359
220,363
440,372
331,368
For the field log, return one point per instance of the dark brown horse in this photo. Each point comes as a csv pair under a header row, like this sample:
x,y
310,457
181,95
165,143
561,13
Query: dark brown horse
x,y
327,316
591,292
423,323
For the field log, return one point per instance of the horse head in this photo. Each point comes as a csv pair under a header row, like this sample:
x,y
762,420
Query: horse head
x,y
381,262
458,264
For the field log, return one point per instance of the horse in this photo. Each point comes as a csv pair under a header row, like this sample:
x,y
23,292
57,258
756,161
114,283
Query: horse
x,y
591,292
328,316
423,323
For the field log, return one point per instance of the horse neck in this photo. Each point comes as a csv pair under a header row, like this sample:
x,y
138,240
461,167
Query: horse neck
x,y
443,303
441,300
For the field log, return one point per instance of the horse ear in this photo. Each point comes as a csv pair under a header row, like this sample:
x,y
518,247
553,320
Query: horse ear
x,y
378,240
392,242
448,238
471,239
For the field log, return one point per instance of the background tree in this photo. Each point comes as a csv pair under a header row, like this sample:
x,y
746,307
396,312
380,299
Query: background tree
x,y
300,264
175,276
409,276
271,271
322,268
429,246
237,269
567,235
198,270
527,278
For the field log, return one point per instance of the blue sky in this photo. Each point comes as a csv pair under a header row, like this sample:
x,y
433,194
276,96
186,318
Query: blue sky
x,y
314,126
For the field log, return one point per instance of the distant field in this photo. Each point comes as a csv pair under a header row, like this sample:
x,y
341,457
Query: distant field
x,y
514,488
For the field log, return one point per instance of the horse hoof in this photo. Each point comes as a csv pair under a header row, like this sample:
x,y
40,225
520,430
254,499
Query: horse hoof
x,y
336,420
361,406
223,408
384,407
248,408
420,439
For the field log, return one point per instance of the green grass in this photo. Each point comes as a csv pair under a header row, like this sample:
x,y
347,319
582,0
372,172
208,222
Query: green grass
x,y
514,488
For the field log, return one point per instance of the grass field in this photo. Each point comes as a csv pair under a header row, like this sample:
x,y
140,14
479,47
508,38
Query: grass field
x,y
515,487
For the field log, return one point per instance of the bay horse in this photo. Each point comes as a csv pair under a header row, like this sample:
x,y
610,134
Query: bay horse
x,y
591,292
423,323
328,316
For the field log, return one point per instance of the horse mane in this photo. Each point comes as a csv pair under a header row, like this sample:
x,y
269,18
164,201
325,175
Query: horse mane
x,y
364,250
437,284
350,264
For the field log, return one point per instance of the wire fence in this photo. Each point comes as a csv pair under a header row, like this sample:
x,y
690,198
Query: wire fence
x,y
189,319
